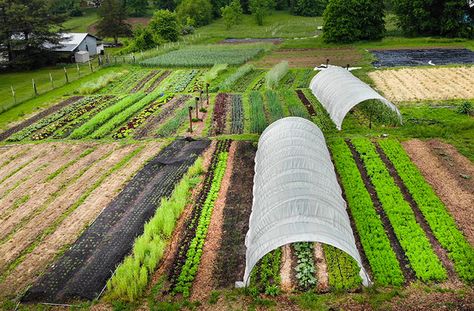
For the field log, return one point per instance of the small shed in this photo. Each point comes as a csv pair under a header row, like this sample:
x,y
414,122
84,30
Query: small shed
x,y
81,57
74,42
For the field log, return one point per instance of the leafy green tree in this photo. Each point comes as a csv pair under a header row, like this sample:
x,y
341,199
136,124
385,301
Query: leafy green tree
x,y
112,23
199,11
26,26
165,4
308,7
347,21
434,17
165,24
143,39
260,9
217,5
137,7
232,14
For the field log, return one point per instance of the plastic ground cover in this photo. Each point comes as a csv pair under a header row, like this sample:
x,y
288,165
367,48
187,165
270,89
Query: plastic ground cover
x,y
339,91
422,57
296,196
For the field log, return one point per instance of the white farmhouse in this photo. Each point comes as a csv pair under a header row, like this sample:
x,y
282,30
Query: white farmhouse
x,y
72,43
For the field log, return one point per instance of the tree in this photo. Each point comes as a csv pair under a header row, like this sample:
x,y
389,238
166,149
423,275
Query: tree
x,y
260,9
199,11
232,14
346,21
217,5
112,22
434,17
165,24
137,7
143,39
26,27
165,4
308,7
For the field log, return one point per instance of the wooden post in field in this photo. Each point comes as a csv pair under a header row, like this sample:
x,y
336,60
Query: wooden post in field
x,y
65,75
327,62
90,66
347,66
34,87
51,80
78,70
190,119
201,93
207,94
100,60
13,94
197,107
133,57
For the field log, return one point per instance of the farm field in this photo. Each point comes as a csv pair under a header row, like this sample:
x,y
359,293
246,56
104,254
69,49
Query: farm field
x,y
133,188
421,84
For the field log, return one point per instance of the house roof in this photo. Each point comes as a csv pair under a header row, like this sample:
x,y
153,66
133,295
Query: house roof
x,y
69,41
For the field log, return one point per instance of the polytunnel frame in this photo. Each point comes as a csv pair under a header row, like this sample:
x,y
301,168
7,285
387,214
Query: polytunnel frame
x,y
299,209
338,90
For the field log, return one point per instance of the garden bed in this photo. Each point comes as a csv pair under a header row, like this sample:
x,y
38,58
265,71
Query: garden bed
x,y
422,57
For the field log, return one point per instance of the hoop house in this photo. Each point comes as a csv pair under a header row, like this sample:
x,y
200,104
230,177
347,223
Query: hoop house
x,y
339,91
296,196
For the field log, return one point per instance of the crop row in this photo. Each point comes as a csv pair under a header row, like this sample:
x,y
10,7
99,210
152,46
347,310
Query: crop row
x,y
321,117
104,116
305,269
303,79
125,83
181,80
343,271
173,123
156,81
228,83
194,252
411,236
274,107
274,75
440,221
144,81
220,112
27,131
258,121
141,117
88,105
237,126
295,107
379,253
265,276
246,81
132,275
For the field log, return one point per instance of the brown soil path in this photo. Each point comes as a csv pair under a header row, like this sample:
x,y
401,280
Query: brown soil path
x,y
204,282
29,231
44,191
37,261
286,269
321,268
442,166
166,263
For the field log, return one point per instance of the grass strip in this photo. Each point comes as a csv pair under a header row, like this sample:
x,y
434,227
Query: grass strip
x,y
440,221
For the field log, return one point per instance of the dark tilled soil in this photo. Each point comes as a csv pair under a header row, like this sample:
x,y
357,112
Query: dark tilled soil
x,y
39,116
420,219
143,81
157,82
238,206
409,57
408,272
85,268
306,103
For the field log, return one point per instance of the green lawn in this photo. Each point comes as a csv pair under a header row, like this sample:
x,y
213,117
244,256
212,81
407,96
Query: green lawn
x,y
23,85
81,23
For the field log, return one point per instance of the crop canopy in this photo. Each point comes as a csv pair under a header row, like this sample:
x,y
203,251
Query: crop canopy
x,y
339,91
296,196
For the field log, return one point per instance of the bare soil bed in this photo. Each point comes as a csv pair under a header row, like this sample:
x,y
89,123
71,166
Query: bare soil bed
x,y
307,58
84,269
419,57
452,177
428,83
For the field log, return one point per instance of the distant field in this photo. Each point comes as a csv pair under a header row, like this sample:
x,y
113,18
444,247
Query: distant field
x,y
81,23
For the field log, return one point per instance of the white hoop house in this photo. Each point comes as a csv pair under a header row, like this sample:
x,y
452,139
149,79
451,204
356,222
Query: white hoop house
x,y
296,196
339,91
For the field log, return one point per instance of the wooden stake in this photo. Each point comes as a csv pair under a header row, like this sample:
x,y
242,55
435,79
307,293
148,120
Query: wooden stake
x,y
13,94
190,119
65,74
51,79
197,108
207,94
90,66
34,87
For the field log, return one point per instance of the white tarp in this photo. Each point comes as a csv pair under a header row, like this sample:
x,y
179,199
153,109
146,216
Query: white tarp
x,y
296,196
339,91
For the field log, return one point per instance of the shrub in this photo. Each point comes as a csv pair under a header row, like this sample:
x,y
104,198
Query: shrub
x,y
308,7
165,24
199,11
232,14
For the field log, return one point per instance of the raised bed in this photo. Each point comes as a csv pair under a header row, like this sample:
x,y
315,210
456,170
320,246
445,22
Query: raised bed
x,y
83,270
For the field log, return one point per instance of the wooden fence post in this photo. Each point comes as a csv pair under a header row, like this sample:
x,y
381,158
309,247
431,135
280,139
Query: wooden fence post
x,y
65,74
190,119
207,94
13,94
51,79
197,107
34,87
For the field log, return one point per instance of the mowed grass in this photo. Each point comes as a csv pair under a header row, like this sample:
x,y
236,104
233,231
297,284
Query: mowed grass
x,y
81,23
42,101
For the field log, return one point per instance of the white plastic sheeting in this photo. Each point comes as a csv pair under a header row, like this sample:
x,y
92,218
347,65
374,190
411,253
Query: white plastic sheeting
x,y
296,196
339,91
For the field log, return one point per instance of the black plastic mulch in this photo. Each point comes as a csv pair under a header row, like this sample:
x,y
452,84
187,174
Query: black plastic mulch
x,y
82,272
422,57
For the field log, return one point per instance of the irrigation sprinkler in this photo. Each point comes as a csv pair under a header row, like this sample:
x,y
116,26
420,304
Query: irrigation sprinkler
x,y
65,75
34,87
190,119
51,79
